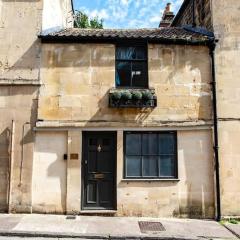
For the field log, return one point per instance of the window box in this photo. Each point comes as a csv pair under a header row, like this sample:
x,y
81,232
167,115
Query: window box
x,y
132,98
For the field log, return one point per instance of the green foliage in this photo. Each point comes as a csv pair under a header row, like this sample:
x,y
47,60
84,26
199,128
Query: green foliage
x,y
126,95
147,95
230,220
116,95
233,221
137,95
81,20
96,23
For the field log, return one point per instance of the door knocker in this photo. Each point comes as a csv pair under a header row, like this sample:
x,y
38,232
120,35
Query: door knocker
x,y
99,148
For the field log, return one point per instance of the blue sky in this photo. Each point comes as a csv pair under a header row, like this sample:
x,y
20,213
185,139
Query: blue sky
x,y
127,13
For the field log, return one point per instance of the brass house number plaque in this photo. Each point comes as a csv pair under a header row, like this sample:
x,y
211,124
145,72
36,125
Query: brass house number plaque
x,y
74,156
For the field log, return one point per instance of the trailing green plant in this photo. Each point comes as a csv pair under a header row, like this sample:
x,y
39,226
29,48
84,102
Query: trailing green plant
x,y
233,221
126,95
147,95
116,95
136,95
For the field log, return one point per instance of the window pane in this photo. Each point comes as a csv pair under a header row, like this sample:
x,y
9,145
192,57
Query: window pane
x,y
133,144
133,166
123,74
166,143
126,53
167,166
131,53
139,74
150,166
141,53
149,144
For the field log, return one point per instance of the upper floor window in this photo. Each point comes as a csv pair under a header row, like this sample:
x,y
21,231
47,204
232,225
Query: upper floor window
x,y
131,66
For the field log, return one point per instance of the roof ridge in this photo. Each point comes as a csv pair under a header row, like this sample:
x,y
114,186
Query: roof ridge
x,y
150,34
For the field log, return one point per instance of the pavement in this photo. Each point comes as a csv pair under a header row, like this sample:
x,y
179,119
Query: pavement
x,y
233,228
55,227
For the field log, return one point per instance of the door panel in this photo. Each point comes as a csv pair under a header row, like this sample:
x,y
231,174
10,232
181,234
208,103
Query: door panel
x,y
91,192
99,170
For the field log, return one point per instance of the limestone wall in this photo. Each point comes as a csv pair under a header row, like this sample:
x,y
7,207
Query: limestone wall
x,y
17,103
49,173
57,14
226,24
20,23
190,196
5,139
230,167
77,78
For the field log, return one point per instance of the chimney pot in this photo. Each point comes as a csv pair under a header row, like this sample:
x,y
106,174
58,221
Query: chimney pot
x,y
168,7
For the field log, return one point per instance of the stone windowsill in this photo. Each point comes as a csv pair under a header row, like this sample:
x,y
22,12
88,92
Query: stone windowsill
x,y
151,180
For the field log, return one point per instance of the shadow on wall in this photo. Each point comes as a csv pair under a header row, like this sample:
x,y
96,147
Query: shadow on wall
x,y
105,114
29,61
4,168
54,171
20,106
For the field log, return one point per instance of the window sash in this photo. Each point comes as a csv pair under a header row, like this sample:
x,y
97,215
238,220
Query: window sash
x,y
129,51
131,84
132,61
159,157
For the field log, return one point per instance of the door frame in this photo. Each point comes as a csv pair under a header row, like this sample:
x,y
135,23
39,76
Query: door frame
x,y
84,134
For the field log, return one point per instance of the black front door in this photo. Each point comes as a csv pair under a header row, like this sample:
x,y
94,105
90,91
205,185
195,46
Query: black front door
x,y
99,170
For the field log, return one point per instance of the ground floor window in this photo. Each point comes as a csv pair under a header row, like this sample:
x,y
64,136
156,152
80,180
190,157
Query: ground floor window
x,y
150,155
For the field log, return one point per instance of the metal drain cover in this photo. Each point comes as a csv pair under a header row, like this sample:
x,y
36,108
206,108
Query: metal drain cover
x,y
150,227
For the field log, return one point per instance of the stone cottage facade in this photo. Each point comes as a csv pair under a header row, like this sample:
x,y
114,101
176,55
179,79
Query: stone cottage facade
x,y
110,121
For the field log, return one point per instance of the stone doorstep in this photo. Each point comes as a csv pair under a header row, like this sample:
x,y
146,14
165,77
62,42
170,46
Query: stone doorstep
x,y
88,236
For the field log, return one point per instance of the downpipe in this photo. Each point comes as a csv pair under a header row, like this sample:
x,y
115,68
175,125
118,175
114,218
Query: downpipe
x,y
212,47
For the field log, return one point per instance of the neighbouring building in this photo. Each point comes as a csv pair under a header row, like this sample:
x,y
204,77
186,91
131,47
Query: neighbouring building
x,y
20,24
222,17
120,122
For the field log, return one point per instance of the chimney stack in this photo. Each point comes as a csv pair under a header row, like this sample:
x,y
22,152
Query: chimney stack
x,y
167,17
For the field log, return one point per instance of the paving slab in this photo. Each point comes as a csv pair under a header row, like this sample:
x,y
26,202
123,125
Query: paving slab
x,y
234,228
91,227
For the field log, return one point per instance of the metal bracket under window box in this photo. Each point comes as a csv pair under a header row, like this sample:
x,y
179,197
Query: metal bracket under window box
x,y
132,98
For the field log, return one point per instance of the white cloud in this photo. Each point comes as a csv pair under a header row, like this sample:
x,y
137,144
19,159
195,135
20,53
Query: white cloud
x,y
176,4
155,19
102,14
124,2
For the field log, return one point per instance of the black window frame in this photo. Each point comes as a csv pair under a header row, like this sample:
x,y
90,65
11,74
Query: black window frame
x,y
142,155
130,43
